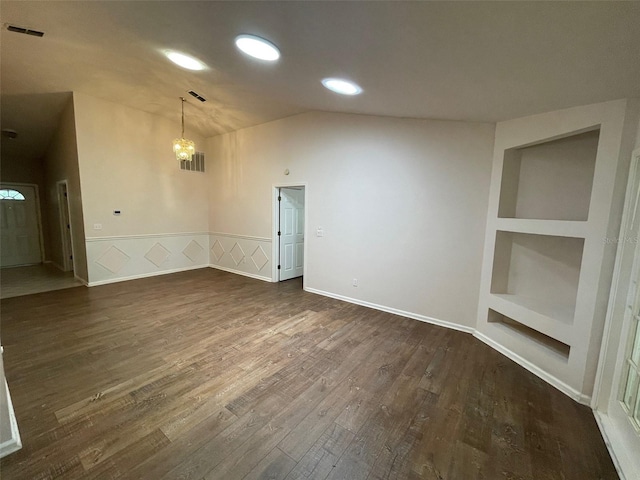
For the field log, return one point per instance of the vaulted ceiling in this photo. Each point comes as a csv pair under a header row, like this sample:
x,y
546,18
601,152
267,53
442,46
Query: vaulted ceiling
x,y
478,61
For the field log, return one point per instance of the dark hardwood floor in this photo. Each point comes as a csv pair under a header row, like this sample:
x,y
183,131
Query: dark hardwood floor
x,y
210,375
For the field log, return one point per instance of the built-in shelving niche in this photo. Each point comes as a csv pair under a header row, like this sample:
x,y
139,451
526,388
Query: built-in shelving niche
x,y
539,273
557,348
550,180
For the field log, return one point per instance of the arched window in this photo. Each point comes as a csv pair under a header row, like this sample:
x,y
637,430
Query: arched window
x,y
8,194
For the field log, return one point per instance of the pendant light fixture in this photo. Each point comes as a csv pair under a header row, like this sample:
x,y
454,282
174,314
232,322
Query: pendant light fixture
x,y
183,148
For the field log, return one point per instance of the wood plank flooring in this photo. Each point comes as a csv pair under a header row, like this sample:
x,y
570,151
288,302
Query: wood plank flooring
x,y
210,375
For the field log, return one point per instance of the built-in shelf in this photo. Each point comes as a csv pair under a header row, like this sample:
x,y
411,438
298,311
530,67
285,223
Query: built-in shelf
x,y
559,349
553,320
556,192
550,180
538,272
559,228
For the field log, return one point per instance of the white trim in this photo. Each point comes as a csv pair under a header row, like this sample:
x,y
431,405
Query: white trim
x,y
14,443
238,272
395,311
147,235
142,275
246,237
615,445
614,292
550,379
275,254
81,280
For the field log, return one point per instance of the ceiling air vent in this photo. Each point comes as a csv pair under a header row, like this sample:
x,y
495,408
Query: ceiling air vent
x,y
198,96
26,31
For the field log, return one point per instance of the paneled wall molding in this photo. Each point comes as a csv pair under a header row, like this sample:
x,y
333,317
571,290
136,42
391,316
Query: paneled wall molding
x,y
114,259
146,235
246,237
242,254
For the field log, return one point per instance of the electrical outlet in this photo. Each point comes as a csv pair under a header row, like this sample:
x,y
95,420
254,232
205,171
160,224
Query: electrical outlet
x,y
97,226
355,282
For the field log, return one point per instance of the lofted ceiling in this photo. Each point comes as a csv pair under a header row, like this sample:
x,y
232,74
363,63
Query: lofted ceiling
x,y
477,61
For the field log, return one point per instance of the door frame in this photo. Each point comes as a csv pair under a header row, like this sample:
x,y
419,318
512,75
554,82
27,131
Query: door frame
x,y
613,348
275,250
68,264
38,213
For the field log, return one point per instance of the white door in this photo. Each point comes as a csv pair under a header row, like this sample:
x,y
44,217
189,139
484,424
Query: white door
x,y
291,233
19,226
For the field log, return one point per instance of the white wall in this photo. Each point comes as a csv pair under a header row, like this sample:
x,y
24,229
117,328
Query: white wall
x,y
402,203
127,164
61,163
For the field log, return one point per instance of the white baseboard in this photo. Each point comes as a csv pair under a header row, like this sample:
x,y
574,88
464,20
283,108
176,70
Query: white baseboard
x,y
143,275
240,272
616,446
14,443
550,379
395,311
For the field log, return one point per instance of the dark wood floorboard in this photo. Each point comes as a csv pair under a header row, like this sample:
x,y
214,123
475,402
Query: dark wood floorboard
x,y
210,375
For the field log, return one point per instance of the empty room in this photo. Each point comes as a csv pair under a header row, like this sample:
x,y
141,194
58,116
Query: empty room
x,y
320,240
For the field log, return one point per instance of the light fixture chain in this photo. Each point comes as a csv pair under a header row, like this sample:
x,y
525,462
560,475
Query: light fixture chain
x,y
183,100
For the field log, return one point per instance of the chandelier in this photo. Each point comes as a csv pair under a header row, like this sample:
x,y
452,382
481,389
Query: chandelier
x,y
183,148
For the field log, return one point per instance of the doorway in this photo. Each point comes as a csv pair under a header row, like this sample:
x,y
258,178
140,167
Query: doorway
x,y
290,232
20,225
65,227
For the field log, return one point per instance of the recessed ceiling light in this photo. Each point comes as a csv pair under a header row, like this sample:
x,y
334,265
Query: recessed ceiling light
x,y
343,87
258,47
184,61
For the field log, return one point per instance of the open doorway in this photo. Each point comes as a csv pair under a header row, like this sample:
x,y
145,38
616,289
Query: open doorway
x,y
289,235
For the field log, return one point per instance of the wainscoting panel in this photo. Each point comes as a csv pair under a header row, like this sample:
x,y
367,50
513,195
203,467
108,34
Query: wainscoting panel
x,y
113,259
250,256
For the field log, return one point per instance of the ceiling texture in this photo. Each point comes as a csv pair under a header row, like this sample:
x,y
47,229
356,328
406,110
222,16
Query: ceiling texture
x,y
475,61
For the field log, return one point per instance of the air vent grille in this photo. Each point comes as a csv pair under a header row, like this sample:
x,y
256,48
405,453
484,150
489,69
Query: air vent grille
x,y
197,95
26,31
195,165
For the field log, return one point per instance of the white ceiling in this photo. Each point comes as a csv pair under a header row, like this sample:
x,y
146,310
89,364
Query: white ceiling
x,y
479,61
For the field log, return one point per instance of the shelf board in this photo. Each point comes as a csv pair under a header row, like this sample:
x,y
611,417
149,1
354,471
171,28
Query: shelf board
x,y
558,228
532,338
555,321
